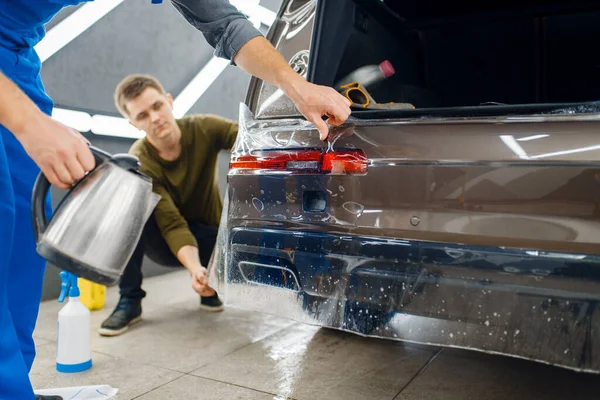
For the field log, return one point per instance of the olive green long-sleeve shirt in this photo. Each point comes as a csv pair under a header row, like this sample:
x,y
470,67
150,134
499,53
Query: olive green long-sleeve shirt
x,y
188,186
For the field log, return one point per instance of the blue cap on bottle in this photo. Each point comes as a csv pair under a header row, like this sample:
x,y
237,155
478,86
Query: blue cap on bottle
x,y
69,285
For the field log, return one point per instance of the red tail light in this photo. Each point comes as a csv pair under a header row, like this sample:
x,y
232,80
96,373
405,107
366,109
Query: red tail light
x,y
301,161
277,160
345,162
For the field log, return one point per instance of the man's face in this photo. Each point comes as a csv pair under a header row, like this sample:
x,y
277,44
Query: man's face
x,y
152,112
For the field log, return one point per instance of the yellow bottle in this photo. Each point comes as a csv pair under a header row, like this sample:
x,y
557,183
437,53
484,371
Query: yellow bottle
x,y
92,295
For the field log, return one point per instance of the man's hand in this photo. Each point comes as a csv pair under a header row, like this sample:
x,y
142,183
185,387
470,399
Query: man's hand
x,y
189,257
61,152
200,281
259,58
314,101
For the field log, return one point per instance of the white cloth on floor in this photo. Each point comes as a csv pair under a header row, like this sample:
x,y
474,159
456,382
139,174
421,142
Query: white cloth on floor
x,y
96,392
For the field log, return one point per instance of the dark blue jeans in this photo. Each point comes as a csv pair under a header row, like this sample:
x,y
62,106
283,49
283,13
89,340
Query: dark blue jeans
x,y
153,245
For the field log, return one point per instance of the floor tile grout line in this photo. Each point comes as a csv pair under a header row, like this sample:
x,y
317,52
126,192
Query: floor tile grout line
x,y
227,307
239,386
419,372
159,386
140,363
143,363
37,346
181,373
209,363
53,340
242,347
212,380
193,370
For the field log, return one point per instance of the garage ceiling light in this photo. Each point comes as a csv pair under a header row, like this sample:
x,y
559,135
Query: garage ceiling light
x,y
73,26
105,125
196,88
114,126
252,9
81,121
213,69
90,13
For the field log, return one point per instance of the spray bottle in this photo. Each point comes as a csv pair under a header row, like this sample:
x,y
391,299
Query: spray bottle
x,y
74,350
368,75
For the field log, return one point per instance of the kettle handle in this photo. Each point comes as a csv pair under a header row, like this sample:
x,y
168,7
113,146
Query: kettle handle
x,y
40,192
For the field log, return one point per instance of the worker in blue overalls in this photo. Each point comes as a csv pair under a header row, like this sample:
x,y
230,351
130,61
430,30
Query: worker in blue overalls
x,y
30,140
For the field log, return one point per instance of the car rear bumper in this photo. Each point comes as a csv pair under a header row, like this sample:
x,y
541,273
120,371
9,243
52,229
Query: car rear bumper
x,y
520,303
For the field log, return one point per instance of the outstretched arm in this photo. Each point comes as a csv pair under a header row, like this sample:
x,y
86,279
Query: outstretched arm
x,y
259,58
236,39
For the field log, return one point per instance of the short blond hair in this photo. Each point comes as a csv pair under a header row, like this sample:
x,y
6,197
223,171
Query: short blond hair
x,y
131,87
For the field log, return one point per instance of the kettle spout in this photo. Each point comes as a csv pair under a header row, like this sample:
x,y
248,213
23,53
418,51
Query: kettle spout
x,y
154,199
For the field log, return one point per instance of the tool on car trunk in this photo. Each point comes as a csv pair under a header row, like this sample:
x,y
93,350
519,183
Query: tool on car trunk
x,y
354,86
361,98
98,223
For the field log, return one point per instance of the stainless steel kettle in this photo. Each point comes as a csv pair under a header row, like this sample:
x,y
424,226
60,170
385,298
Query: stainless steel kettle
x,y
97,225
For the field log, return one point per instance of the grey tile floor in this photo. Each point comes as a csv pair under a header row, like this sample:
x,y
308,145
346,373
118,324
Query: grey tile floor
x,y
180,352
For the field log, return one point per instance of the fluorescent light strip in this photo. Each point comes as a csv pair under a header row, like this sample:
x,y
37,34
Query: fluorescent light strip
x,y
565,152
78,120
114,126
534,137
73,26
88,14
196,88
99,124
512,144
252,9
267,17
213,69
120,127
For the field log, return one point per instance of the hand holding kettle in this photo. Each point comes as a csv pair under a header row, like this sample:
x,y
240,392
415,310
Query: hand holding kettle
x,y
61,152
97,225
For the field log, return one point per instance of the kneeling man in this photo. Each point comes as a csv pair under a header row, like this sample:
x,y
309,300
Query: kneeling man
x,y
180,155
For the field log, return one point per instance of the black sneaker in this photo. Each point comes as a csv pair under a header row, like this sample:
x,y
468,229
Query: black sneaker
x,y
126,313
211,303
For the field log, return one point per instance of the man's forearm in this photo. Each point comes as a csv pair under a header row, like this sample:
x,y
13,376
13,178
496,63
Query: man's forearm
x,y
258,57
16,109
234,37
189,257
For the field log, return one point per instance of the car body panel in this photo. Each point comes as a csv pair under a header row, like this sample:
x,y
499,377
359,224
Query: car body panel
x,y
471,232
